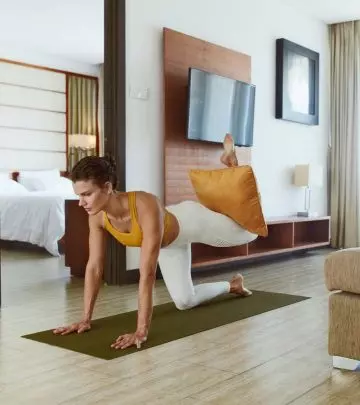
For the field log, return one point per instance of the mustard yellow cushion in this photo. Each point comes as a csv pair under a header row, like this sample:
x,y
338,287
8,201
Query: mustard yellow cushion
x,y
233,192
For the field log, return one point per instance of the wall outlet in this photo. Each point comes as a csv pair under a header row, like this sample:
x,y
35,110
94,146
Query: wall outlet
x,y
139,93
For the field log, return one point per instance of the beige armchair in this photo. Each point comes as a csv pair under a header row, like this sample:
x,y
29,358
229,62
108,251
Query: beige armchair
x,y
342,278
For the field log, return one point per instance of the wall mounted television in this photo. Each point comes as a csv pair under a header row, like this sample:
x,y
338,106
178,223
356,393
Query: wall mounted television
x,y
218,105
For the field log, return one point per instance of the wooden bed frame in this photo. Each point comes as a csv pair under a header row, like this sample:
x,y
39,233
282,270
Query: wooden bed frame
x,y
15,175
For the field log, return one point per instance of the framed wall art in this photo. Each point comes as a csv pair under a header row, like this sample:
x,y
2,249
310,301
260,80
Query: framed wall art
x,y
297,83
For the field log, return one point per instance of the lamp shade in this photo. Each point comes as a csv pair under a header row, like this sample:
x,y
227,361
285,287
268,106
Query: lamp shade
x,y
82,141
308,175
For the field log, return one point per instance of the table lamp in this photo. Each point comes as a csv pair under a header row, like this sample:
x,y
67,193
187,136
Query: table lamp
x,y
83,141
308,176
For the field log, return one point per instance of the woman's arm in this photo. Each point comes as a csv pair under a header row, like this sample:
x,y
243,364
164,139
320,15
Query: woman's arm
x,y
150,218
95,265
151,221
93,277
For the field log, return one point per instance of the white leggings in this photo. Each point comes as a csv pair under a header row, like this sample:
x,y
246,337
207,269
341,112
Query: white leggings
x,y
198,224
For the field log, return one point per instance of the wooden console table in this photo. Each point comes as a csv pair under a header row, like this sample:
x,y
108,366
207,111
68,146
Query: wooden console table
x,y
286,234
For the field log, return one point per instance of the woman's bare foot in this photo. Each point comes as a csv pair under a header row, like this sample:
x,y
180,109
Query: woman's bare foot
x,y
228,158
237,286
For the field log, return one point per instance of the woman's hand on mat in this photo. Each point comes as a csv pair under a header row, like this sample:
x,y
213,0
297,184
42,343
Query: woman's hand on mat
x,y
130,339
78,327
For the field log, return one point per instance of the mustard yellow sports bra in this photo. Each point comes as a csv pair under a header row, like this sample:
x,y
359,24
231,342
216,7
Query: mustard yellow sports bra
x,y
134,237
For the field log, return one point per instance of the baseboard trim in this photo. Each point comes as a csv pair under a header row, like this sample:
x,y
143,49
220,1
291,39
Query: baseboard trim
x,y
344,363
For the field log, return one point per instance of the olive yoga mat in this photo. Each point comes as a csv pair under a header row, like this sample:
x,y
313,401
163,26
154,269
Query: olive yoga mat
x,y
168,323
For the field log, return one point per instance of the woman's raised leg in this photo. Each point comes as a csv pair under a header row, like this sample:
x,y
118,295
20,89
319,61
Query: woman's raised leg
x,y
228,158
199,224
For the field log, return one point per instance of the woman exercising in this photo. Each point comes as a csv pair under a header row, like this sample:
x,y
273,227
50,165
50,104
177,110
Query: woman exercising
x,y
164,234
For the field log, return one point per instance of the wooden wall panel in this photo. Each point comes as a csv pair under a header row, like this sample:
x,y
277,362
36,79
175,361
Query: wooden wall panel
x,y
115,271
180,53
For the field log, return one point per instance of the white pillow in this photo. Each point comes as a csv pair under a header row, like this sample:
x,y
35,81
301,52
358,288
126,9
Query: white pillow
x,y
4,176
64,186
9,186
37,180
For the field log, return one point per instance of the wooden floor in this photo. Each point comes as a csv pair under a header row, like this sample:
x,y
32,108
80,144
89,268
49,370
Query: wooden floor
x,y
276,358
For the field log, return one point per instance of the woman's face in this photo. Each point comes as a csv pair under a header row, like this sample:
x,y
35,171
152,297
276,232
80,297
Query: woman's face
x,y
92,197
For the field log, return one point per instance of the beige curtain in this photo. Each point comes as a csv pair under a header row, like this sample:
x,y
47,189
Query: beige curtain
x,y
344,142
82,117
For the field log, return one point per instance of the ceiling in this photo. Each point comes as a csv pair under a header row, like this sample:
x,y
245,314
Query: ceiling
x,y
329,11
74,29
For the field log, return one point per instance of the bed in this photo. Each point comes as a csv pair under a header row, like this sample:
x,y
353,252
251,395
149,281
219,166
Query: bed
x,y
32,208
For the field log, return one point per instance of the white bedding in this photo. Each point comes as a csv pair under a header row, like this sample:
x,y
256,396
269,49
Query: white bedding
x,y
36,217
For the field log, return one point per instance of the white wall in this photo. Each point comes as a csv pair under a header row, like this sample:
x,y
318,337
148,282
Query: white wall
x,y
248,27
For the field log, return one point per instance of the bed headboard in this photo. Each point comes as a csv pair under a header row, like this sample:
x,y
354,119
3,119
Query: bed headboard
x,y
34,116
15,175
